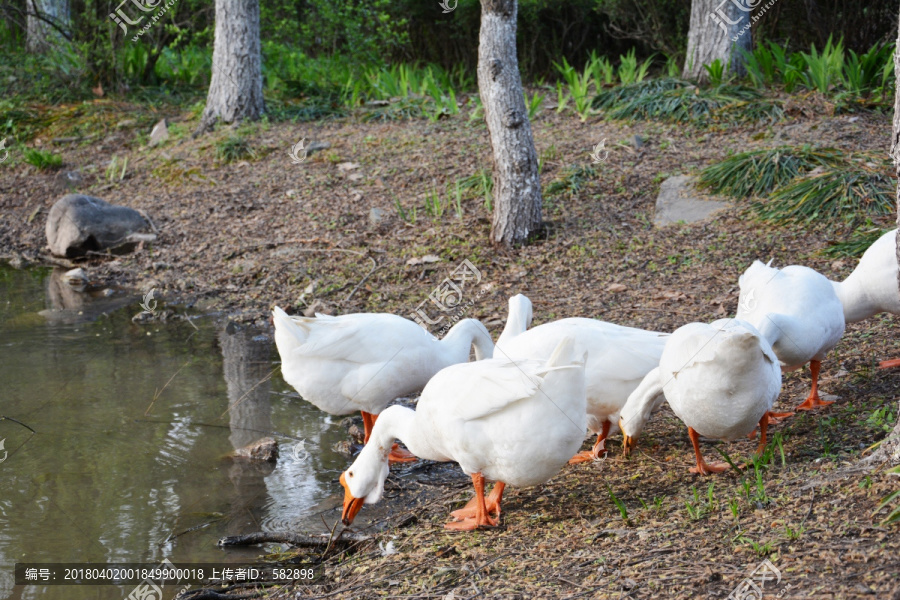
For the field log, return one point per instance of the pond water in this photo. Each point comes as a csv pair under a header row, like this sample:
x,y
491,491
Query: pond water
x,y
133,423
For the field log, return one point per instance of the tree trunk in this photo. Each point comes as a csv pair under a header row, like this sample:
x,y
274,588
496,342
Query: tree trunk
x,y
235,90
517,185
890,448
41,35
718,28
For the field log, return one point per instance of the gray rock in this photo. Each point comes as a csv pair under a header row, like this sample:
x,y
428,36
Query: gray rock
x,y
678,201
315,146
376,215
159,134
77,224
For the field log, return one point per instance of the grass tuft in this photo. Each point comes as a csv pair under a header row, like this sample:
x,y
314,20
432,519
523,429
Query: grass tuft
x,y
679,101
758,172
843,192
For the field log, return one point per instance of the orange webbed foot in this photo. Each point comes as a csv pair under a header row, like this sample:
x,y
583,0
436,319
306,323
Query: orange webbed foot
x,y
582,457
399,455
472,524
814,402
705,468
889,364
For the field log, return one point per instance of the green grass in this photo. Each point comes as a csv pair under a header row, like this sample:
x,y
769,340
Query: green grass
x,y
679,101
571,181
844,193
233,148
858,242
42,159
758,172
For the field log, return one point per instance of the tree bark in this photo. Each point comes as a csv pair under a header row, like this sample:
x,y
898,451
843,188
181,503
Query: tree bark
x,y
517,185
41,34
890,448
235,90
717,30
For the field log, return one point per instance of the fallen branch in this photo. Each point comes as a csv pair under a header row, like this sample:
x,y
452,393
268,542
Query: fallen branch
x,y
294,539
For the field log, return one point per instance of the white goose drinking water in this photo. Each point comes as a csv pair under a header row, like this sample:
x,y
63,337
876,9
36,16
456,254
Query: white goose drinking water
x,y
618,359
798,312
720,380
513,422
362,362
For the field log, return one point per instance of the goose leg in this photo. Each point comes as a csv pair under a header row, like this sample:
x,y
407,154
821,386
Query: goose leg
x,y
397,454
482,518
492,503
595,452
368,423
813,400
888,364
702,468
772,418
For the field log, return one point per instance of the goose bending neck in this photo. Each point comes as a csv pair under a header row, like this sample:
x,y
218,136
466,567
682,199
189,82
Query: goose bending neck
x,y
398,422
462,336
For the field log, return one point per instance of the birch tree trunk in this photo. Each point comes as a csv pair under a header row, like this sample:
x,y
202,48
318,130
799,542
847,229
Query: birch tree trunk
x,y
517,185
235,89
39,34
718,28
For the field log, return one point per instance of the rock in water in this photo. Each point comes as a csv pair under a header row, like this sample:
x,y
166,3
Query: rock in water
x,y
265,449
77,224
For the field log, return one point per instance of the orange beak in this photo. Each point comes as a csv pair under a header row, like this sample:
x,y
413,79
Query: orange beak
x,y
351,504
628,442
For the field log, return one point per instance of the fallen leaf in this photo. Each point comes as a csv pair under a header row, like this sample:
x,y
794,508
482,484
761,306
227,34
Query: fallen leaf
x,y
347,166
616,288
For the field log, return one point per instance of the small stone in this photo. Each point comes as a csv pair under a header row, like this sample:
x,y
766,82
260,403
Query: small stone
x,y
78,224
347,166
159,134
265,449
637,141
76,278
376,215
678,201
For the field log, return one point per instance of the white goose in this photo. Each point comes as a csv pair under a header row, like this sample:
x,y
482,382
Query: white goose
x,y
512,422
618,359
364,361
798,312
720,380
872,287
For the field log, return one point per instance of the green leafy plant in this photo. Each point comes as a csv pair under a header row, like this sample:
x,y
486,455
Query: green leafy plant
x,y
42,159
233,148
823,69
571,181
602,71
534,104
579,87
630,71
894,515
716,72
619,504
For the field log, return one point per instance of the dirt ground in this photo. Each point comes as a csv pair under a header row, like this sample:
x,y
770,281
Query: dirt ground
x,y
240,237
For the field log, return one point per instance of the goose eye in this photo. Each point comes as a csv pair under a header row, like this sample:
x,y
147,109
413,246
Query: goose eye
x,y
349,473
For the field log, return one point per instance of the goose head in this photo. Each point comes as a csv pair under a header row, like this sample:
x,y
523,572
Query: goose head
x,y
363,482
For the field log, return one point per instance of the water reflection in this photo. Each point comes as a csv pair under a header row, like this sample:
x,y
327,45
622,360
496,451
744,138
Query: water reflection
x,y
133,427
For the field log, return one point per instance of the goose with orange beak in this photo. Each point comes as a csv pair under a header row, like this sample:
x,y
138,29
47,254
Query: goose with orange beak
x,y
720,379
512,422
